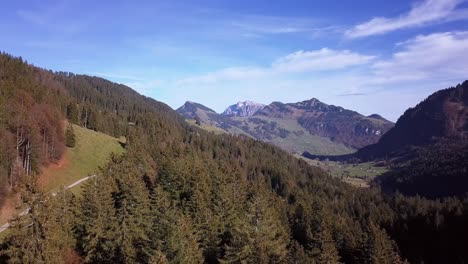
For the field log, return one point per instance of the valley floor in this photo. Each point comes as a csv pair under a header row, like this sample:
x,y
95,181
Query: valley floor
x,y
356,174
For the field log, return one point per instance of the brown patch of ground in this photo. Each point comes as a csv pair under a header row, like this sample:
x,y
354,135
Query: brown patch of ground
x,y
48,171
356,182
9,208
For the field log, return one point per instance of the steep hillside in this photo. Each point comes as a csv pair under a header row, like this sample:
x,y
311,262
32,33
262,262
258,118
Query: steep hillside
x,y
200,113
444,115
436,170
92,150
427,147
31,123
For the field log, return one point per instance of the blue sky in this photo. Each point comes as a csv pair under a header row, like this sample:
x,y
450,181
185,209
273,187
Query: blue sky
x,y
370,56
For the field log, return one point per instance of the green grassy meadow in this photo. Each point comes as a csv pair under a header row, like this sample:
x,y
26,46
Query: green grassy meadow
x,y
91,151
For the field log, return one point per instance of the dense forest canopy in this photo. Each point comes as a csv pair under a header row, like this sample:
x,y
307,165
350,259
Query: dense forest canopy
x,y
183,195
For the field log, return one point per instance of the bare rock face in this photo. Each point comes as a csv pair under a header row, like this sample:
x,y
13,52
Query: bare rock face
x,y
243,109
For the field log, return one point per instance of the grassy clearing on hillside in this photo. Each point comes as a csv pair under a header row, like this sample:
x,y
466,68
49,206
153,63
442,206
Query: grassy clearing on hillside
x,y
206,127
359,174
92,150
299,139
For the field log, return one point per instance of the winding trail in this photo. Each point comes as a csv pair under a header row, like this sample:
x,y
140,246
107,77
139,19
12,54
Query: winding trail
x,y
78,182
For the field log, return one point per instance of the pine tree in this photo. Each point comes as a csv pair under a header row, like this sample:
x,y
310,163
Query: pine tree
x,y
132,212
70,140
378,247
72,113
161,215
28,232
62,222
158,258
98,228
225,216
322,244
261,237
297,254
182,243
328,252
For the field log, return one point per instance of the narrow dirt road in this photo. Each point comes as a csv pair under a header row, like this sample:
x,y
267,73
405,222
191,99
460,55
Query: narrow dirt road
x,y
5,226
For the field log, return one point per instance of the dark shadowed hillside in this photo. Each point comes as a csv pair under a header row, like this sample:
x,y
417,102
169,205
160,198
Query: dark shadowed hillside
x,y
436,170
426,148
444,115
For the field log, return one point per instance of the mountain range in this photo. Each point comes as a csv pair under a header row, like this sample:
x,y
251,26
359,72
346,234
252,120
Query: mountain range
x,y
310,125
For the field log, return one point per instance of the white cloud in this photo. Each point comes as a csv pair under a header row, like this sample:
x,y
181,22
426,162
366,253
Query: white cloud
x,y
422,13
388,86
255,24
234,73
59,16
435,56
320,60
268,29
298,62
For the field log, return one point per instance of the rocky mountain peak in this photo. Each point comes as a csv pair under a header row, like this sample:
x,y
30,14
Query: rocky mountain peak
x,y
243,109
190,106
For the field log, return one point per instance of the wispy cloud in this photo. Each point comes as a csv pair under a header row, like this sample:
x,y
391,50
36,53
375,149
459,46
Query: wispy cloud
x,y
255,26
435,56
358,81
319,60
295,63
55,16
352,94
234,73
421,14
271,24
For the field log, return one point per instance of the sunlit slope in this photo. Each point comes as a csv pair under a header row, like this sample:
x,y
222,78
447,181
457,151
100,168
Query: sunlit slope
x,y
91,151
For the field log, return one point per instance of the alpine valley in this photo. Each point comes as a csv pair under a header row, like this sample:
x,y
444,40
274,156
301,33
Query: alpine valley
x,y
349,143
93,172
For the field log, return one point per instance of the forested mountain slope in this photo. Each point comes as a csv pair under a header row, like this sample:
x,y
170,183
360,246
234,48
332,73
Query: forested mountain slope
x,y
443,115
426,149
183,195
437,170
31,127
428,146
